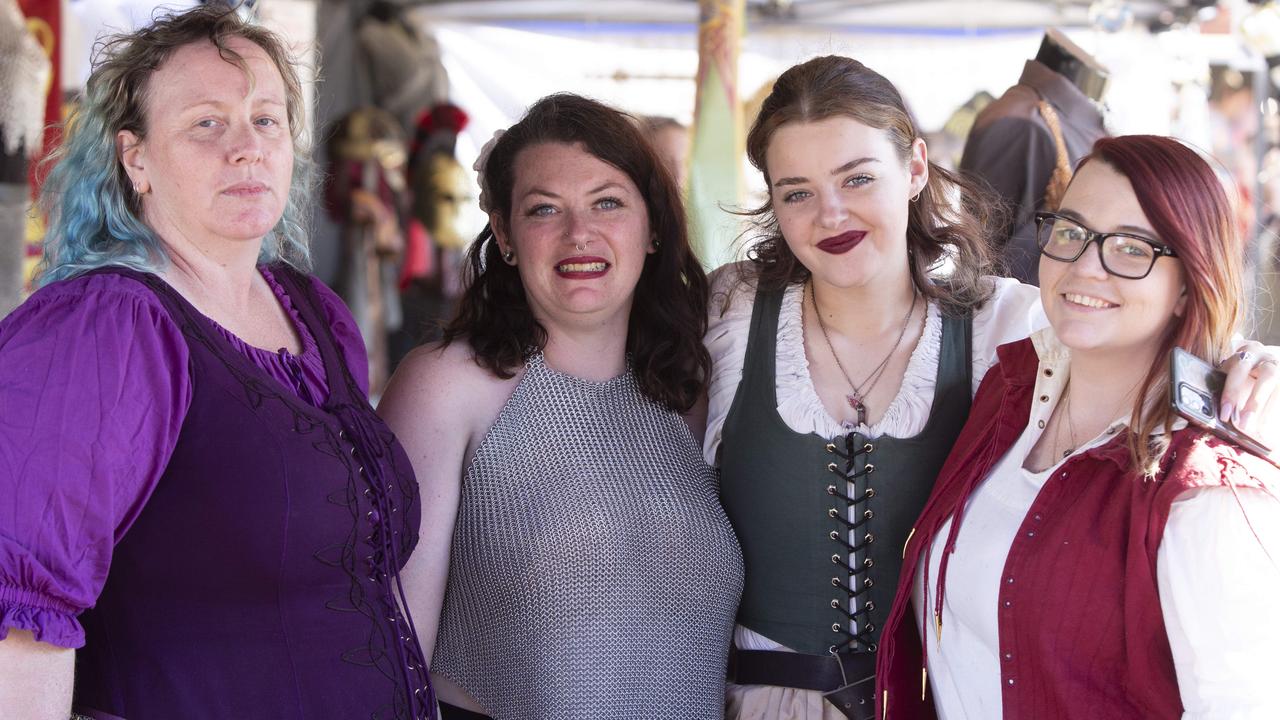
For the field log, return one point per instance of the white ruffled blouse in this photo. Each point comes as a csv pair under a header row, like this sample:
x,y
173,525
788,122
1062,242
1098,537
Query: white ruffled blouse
x,y
1012,313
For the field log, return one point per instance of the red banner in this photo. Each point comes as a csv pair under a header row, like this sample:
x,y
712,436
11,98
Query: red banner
x,y
44,21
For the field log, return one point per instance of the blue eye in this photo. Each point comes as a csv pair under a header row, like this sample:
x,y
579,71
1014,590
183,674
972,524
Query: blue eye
x,y
266,122
207,123
858,180
608,203
796,196
541,211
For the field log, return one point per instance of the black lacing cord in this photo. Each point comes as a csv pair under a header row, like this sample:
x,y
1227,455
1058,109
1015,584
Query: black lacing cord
x,y
858,574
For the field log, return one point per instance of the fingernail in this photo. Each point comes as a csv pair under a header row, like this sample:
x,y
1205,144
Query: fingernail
x,y
1224,412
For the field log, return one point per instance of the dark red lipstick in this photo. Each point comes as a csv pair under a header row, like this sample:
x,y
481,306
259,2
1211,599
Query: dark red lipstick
x,y
842,243
582,267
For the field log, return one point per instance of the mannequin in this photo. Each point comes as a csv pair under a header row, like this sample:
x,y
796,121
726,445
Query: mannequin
x,y
1069,60
1026,142
367,195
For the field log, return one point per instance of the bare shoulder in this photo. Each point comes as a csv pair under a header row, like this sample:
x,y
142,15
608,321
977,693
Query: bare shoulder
x,y
437,385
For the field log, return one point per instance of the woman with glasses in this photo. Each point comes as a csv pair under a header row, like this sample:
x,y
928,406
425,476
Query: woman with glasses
x,y
1085,552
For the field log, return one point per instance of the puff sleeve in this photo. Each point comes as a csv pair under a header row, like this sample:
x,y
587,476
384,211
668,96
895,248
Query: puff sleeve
x,y
94,386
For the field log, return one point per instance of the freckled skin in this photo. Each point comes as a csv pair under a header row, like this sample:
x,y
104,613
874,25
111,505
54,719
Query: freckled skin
x,y
565,199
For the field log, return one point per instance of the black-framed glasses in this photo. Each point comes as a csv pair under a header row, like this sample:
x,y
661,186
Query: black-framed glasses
x,y
1124,255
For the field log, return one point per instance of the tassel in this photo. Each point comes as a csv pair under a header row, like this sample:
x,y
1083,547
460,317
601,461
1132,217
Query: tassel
x,y
937,618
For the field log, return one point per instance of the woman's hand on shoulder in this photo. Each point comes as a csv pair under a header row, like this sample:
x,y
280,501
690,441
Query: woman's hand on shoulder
x,y
1251,395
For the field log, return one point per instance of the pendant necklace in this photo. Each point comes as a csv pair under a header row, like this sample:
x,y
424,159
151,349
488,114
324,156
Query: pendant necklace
x,y
857,398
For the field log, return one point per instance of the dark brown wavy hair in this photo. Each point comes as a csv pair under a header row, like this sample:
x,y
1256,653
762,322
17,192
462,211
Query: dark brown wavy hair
x,y
951,217
668,315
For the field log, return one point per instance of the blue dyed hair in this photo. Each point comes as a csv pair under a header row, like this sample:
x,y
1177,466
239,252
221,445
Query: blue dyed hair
x,y
95,217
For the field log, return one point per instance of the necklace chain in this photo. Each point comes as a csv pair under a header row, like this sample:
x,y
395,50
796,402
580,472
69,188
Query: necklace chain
x,y
857,399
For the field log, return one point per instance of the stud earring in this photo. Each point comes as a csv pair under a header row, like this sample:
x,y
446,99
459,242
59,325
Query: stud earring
x,y
509,257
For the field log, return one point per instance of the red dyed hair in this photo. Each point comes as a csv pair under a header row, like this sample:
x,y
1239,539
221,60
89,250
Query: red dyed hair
x,y
1187,207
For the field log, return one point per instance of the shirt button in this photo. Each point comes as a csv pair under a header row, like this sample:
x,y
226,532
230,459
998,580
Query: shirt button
x,y
1044,398
1011,681
1048,372
1037,517
1009,580
1031,533
1041,423
1008,657
1008,603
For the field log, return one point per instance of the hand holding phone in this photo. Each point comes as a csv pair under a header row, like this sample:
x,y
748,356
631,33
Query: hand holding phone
x,y
1195,389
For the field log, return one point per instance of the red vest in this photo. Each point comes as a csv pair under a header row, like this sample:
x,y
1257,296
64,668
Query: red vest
x,y
1080,625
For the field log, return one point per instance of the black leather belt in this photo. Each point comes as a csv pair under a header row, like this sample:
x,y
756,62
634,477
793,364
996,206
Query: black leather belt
x,y
846,680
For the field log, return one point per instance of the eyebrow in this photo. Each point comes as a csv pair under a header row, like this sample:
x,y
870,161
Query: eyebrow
x,y
547,193
842,169
1134,229
219,104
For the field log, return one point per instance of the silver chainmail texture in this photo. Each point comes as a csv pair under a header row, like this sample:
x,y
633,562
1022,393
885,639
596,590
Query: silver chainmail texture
x,y
593,572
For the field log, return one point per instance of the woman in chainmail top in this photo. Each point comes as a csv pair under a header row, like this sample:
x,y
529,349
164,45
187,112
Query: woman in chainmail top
x,y
574,549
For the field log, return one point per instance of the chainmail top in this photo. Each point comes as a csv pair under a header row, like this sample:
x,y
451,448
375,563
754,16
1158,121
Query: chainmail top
x,y
593,572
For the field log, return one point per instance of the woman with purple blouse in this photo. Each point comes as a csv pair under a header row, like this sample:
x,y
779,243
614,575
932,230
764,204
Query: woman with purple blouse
x,y
199,510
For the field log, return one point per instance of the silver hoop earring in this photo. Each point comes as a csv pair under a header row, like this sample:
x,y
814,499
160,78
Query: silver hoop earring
x,y
917,197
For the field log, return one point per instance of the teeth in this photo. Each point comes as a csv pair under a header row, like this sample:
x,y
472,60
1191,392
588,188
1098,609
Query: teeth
x,y
1088,301
581,267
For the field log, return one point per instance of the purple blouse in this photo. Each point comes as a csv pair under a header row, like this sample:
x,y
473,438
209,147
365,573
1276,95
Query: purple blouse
x,y
94,388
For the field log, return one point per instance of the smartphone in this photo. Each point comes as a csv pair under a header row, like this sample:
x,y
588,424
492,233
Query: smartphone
x,y
1195,387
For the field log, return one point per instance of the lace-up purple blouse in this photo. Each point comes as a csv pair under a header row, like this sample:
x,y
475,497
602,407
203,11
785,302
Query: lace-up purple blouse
x,y
96,384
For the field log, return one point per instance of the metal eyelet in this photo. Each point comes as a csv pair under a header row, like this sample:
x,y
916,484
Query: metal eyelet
x,y
870,468
868,582
868,448
834,535
837,559
831,447
832,512
868,562
869,605
835,582
868,538
867,514
835,604
871,492
835,627
832,467
831,489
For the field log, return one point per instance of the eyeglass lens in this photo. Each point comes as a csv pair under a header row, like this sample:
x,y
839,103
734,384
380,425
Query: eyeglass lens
x,y
1124,256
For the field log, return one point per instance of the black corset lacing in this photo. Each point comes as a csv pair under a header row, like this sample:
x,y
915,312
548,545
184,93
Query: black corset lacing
x,y
857,582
